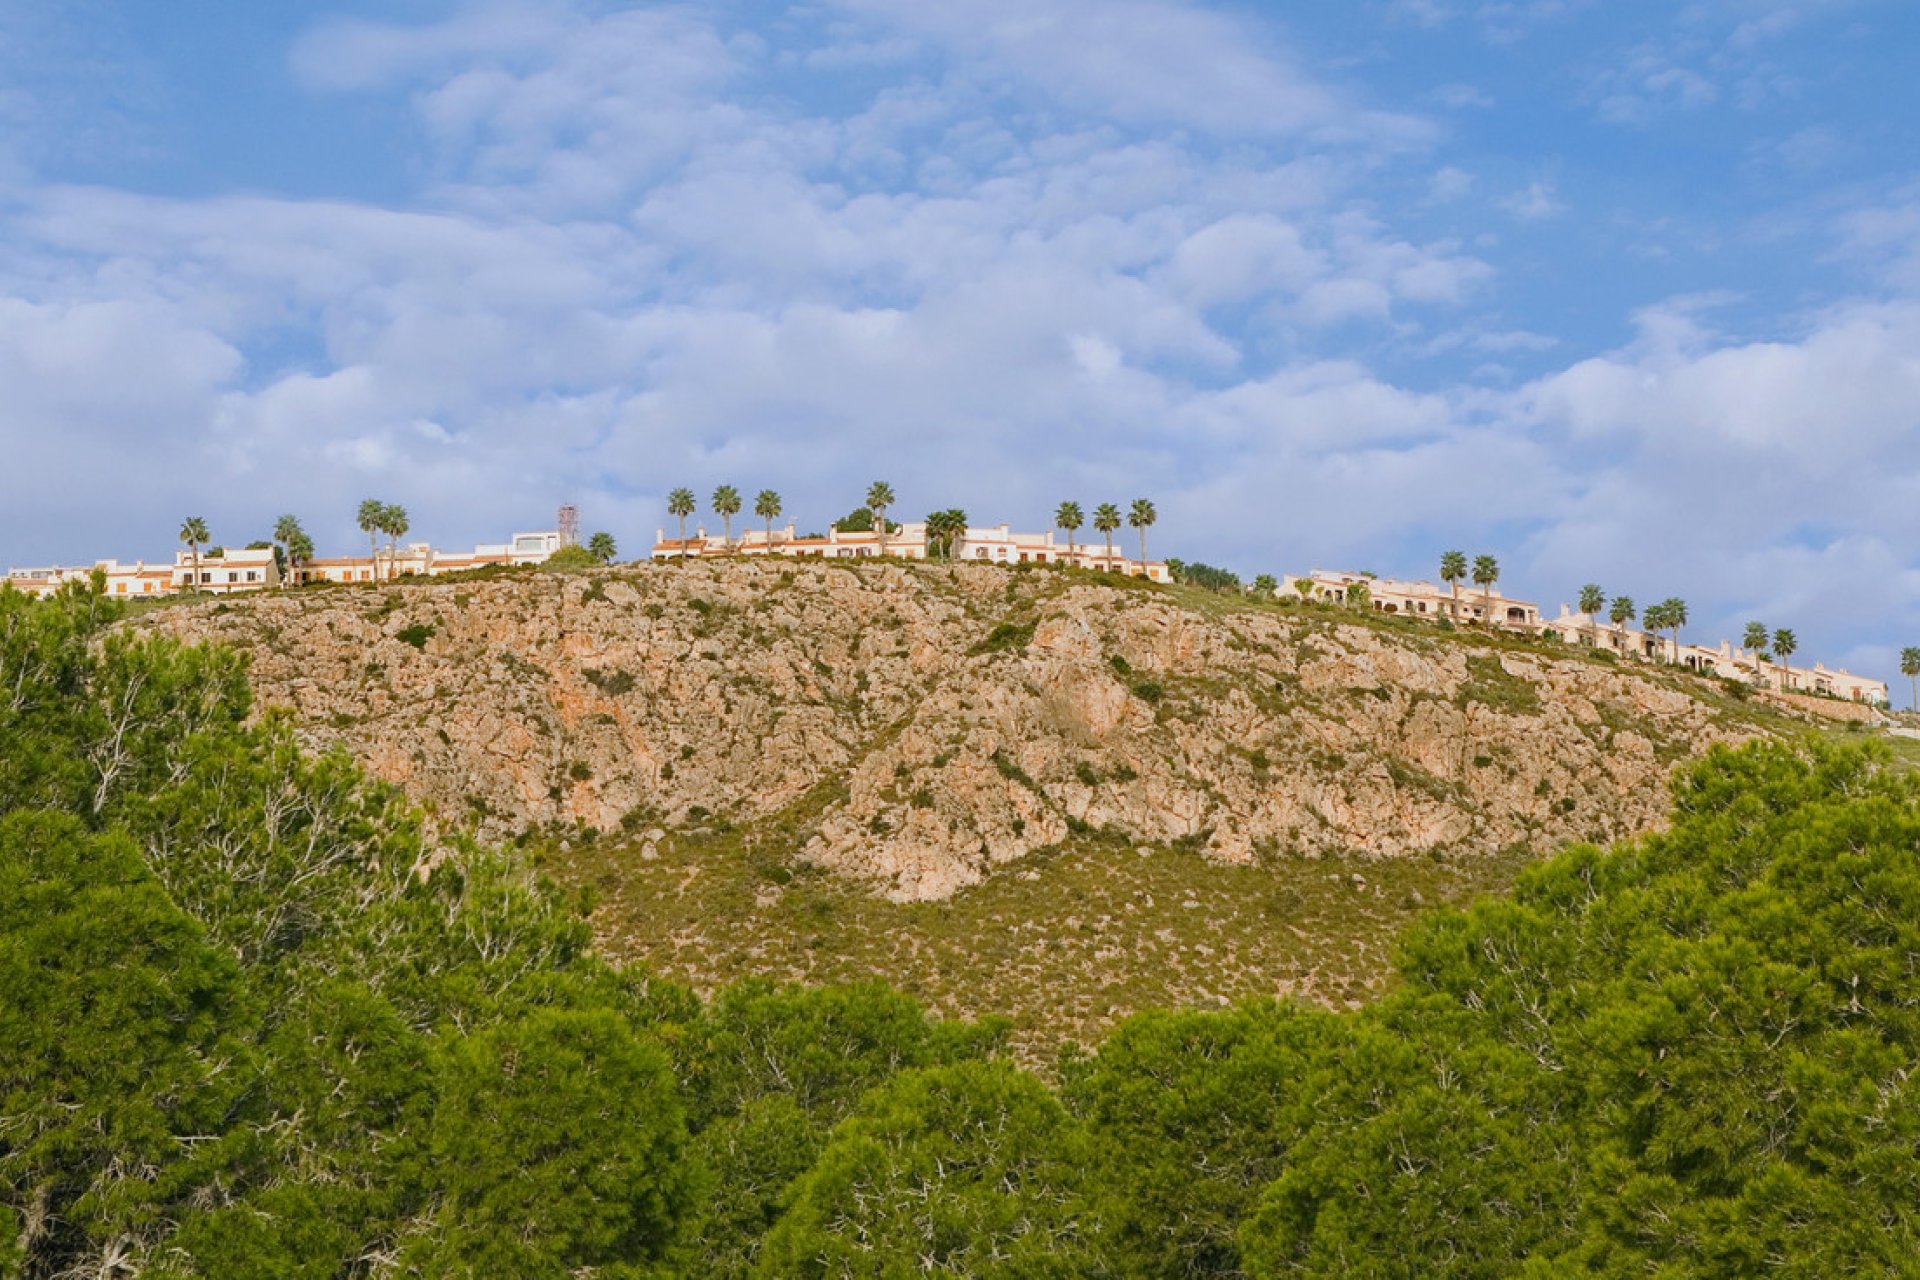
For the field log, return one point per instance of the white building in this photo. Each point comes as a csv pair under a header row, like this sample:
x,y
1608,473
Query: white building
x,y
1725,660
1469,605
996,544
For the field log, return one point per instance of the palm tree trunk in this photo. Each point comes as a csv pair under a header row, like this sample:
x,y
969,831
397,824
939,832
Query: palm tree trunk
x,y
195,548
373,554
1143,549
1109,564
683,541
880,528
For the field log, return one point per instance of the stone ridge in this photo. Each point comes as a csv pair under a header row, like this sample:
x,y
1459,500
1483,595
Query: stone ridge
x,y
920,726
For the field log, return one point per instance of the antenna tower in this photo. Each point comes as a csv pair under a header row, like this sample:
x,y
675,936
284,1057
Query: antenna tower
x,y
569,525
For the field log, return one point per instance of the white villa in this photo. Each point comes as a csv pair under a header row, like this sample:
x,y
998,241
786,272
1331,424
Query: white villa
x,y
226,570
1422,599
421,559
1474,606
1726,660
996,544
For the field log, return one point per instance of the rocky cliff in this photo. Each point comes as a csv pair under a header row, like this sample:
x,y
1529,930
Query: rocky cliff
x,y
920,726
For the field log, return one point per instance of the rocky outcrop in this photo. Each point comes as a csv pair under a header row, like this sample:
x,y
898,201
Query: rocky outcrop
x,y
921,726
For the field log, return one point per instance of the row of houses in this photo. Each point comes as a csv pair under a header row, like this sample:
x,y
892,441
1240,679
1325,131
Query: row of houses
x,y
995,544
1478,607
222,571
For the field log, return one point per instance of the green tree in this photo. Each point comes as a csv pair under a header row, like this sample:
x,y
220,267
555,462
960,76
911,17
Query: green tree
x,y
292,538
970,1170
1785,644
680,505
603,548
558,1144
1592,601
726,505
393,523
1621,612
1671,614
193,532
774,1069
119,1066
1910,668
1453,569
1264,586
371,518
767,506
1486,572
1106,519
1192,1116
1304,587
1358,595
1068,516
1756,640
946,530
1141,516
879,498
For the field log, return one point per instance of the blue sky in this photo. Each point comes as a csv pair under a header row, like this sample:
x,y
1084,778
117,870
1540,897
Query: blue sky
x,y
1623,292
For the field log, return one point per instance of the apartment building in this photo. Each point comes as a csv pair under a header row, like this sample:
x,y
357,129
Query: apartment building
x,y
1725,660
995,544
1424,600
224,571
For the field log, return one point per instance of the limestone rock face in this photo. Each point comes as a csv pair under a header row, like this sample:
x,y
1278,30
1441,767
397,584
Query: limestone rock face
x,y
921,726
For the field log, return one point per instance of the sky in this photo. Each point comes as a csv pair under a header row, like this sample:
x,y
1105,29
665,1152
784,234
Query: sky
x,y
1619,292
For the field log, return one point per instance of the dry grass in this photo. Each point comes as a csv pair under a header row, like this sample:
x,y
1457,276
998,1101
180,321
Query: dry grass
x,y
1065,942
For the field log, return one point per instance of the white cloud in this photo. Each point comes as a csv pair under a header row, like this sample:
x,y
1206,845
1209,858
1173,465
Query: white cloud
x,y
1539,200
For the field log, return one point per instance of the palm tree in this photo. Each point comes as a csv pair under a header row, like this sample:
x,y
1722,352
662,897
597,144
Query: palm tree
x,y
393,523
1359,595
299,549
1486,572
371,513
1592,601
1756,640
944,530
1106,518
1453,567
1141,516
1654,618
726,505
680,504
1068,517
1622,611
767,506
602,547
1910,668
1304,588
1674,612
1784,644
193,532
1265,586
286,532
879,498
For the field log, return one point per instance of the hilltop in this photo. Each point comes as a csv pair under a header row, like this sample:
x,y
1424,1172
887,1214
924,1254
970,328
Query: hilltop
x,y
977,781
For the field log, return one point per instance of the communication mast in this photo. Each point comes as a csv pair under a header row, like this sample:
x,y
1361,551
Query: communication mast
x,y
569,525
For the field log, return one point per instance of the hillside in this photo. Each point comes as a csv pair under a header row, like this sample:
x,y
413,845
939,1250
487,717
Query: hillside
x,y
1152,795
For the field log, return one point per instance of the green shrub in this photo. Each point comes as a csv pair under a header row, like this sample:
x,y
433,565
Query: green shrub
x,y
1008,636
416,635
1148,691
